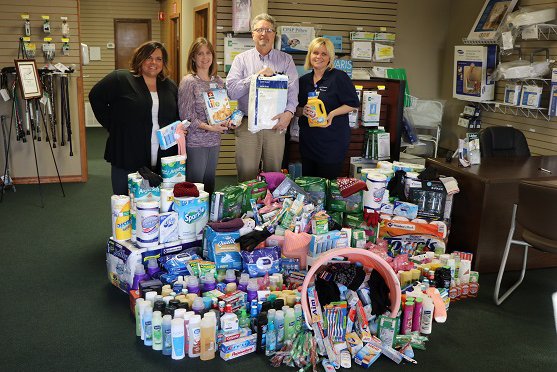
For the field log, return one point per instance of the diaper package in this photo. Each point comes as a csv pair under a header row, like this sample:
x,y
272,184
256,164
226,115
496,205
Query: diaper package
x,y
337,203
227,202
262,261
217,106
222,249
267,98
316,187
252,190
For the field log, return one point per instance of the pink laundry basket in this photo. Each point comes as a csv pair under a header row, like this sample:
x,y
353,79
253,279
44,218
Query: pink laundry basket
x,y
367,259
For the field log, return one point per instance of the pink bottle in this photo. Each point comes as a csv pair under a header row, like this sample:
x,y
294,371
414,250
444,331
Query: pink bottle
x,y
407,315
416,318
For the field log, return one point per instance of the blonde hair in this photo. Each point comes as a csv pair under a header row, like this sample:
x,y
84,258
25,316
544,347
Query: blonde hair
x,y
316,43
144,51
194,48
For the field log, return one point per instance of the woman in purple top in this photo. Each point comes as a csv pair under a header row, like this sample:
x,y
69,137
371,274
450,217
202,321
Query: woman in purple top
x,y
203,139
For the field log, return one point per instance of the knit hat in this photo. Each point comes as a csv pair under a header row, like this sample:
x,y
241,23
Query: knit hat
x,y
349,186
185,189
230,225
273,179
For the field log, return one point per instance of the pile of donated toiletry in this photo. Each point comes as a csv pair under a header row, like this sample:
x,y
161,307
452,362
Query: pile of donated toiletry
x,y
307,271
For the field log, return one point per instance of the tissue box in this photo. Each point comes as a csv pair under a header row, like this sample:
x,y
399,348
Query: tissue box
x,y
473,66
217,106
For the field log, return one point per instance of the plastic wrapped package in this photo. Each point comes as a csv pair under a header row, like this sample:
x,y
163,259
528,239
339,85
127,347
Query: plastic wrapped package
x,y
531,15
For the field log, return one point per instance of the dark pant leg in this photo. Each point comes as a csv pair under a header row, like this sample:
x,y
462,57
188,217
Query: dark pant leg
x,y
313,168
119,179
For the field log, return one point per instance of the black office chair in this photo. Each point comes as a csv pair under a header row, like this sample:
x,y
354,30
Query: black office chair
x,y
536,214
503,142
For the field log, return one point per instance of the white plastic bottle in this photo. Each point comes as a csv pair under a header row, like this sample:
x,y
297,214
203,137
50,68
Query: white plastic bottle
x,y
157,330
207,338
177,332
137,307
427,316
148,326
194,336
229,321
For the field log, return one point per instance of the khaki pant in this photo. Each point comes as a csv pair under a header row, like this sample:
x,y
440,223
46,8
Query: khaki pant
x,y
251,148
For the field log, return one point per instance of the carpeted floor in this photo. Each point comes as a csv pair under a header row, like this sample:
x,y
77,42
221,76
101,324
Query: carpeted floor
x,y
60,313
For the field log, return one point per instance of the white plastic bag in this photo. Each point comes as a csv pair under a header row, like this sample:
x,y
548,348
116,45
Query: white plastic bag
x,y
267,98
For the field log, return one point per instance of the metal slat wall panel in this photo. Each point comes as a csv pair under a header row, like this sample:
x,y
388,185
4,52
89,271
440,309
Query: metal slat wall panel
x,y
334,17
540,134
72,169
97,29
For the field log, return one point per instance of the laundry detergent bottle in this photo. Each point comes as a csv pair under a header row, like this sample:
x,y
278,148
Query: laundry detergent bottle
x,y
319,119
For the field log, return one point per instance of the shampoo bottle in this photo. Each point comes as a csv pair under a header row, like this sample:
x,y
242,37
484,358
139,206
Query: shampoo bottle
x,y
166,335
243,282
407,316
289,324
193,285
157,330
230,276
207,339
148,326
261,333
194,336
416,319
177,333
138,304
279,325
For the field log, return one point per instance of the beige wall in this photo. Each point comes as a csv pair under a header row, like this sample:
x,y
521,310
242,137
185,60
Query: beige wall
x,y
422,27
97,28
187,26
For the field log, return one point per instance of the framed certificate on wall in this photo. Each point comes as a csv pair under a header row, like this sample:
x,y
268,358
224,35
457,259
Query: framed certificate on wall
x,y
28,78
490,19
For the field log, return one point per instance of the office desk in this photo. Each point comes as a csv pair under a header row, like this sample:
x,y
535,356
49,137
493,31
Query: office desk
x,y
482,211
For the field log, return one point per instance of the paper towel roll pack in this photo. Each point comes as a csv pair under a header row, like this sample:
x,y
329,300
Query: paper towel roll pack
x,y
121,221
147,224
193,215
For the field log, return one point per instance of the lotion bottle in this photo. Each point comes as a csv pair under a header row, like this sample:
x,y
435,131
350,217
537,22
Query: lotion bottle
x,y
177,333
157,330
194,336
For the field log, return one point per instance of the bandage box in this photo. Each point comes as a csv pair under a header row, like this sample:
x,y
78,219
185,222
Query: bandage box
x,y
473,68
217,106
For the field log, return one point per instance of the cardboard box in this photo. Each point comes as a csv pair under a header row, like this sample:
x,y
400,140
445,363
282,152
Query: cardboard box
x,y
473,68
512,94
553,93
358,163
295,38
121,259
531,96
217,106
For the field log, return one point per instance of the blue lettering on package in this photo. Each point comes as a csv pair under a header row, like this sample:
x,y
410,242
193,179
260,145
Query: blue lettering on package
x,y
262,261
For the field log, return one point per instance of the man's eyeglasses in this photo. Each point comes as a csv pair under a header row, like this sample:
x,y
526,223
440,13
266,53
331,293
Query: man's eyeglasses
x,y
263,30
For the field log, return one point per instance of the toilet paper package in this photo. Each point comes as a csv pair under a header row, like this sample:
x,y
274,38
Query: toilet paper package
x,y
193,215
168,227
173,168
222,249
121,259
267,98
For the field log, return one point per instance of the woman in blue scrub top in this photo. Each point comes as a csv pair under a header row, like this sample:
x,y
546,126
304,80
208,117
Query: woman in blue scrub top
x,y
323,149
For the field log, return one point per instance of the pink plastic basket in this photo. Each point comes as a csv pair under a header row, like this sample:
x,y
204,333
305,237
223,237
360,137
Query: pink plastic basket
x,y
367,259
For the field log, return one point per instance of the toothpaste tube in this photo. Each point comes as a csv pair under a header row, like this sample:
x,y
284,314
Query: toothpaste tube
x,y
223,337
238,345
315,308
237,353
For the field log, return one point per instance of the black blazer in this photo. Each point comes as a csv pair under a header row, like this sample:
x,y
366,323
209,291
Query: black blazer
x,y
122,104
